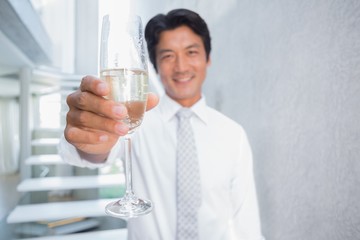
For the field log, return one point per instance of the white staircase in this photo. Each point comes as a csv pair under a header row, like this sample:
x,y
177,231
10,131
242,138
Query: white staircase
x,y
118,234
58,210
25,49
32,218
45,159
73,182
89,210
45,142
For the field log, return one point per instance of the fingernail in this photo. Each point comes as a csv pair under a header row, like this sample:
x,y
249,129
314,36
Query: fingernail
x,y
119,110
104,138
121,128
102,87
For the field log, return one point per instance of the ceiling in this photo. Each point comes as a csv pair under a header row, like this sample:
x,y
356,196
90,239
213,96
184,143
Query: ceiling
x,y
11,58
23,43
23,39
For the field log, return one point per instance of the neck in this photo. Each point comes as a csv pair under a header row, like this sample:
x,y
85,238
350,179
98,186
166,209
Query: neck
x,y
188,103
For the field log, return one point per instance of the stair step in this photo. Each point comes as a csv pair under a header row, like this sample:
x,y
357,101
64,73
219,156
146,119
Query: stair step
x,y
47,132
58,210
118,234
67,226
45,159
70,84
65,93
73,182
45,142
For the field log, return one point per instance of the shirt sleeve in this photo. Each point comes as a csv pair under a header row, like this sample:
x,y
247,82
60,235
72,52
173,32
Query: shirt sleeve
x,y
70,155
246,220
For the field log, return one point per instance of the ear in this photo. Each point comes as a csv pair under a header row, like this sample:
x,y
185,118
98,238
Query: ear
x,y
208,62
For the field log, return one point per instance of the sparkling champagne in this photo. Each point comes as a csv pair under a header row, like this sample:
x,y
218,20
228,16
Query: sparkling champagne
x,y
130,87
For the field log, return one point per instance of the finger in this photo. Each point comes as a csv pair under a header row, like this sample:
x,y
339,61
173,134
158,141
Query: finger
x,y
152,101
89,120
90,142
87,101
78,136
94,85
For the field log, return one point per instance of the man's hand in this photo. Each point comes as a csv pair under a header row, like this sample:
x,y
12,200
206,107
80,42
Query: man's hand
x,y
93,123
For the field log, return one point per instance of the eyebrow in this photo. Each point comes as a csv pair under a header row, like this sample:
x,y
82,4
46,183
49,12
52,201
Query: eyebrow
x,y
195,45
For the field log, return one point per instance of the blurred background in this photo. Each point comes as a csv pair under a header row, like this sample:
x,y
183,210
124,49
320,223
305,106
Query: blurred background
x,y
288,71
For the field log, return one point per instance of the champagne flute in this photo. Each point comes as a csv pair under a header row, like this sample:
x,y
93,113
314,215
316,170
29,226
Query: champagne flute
x,y
123,66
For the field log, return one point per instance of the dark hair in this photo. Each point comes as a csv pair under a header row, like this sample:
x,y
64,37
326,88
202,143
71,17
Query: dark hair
x,y
170,21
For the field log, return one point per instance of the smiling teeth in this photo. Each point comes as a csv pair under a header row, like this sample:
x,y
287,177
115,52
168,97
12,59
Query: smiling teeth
x,y
182,79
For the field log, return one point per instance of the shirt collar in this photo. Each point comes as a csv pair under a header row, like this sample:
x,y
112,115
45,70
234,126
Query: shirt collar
x,y
169,108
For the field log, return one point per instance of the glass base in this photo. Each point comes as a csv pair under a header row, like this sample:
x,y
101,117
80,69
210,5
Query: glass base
x,y
128,207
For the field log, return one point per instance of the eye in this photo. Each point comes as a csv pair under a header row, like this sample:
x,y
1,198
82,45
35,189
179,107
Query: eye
x,y
193,52
166,56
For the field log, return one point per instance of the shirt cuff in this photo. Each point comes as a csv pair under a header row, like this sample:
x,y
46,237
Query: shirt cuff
x,y
70,155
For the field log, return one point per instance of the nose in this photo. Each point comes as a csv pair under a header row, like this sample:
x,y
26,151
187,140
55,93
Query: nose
x,y
181,63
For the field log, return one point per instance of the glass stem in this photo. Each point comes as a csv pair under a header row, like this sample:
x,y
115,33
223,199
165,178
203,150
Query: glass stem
x,y
128,167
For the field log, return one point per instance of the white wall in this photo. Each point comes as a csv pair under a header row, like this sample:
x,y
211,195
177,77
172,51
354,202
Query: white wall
x,y
86,43
58,18
289,72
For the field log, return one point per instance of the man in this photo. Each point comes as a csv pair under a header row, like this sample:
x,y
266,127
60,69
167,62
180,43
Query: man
x,y
179,48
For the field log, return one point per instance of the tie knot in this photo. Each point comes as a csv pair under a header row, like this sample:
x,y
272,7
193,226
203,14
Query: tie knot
x,y
184,113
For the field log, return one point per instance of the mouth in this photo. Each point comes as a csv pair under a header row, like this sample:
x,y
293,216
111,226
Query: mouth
x,y
183,79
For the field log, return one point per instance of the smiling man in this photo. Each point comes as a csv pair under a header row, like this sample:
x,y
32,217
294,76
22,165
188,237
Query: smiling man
x,y
222,204
182,62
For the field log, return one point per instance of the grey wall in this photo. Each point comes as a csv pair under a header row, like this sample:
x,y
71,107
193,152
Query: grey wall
x,y
289,72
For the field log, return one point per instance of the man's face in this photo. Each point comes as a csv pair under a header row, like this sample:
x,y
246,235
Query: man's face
x,y
181,63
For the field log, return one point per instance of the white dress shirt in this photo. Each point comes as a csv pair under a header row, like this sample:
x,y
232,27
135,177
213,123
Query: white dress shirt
x,y
229,209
